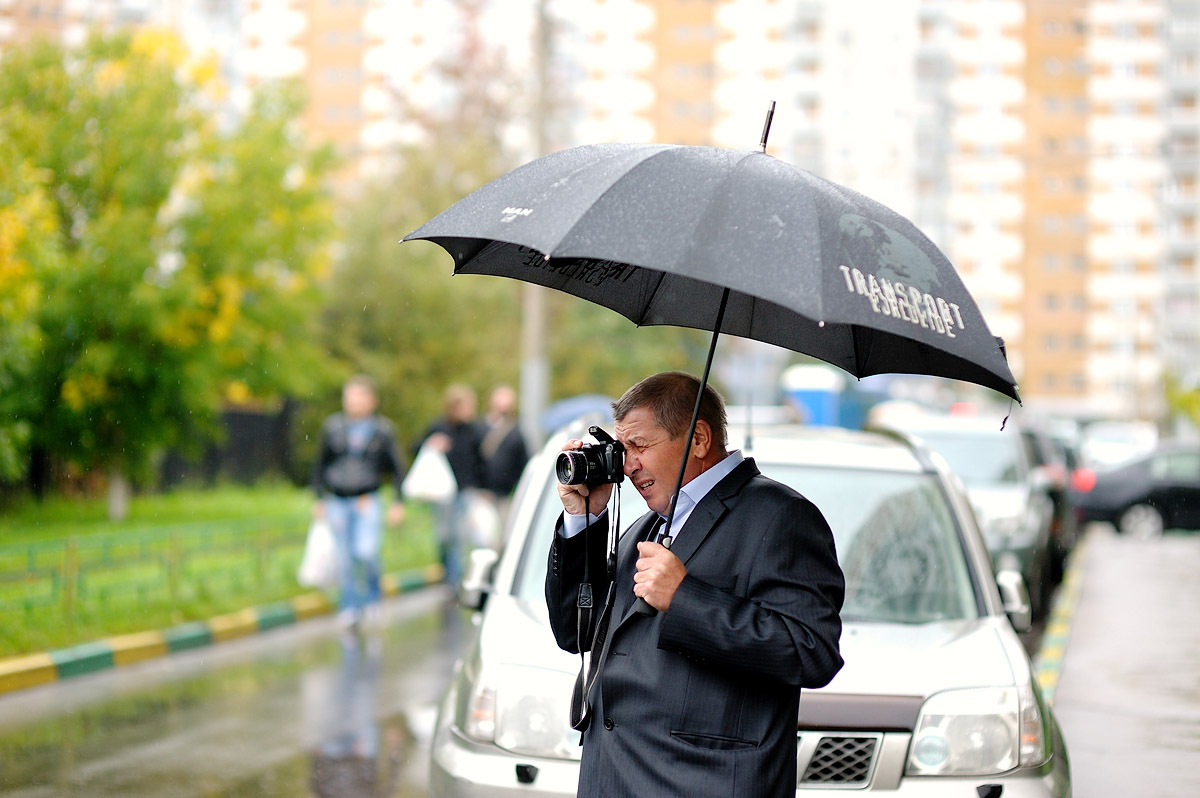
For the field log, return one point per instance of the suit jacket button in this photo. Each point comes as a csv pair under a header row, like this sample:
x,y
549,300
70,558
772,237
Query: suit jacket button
x,y
608,724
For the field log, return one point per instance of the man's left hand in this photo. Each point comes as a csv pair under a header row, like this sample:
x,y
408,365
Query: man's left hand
x,y
658,575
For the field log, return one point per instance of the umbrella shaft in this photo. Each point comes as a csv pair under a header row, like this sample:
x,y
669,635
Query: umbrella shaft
x,y
712,349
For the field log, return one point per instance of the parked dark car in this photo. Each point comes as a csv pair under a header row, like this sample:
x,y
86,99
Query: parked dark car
x,y
1146,495
1053,465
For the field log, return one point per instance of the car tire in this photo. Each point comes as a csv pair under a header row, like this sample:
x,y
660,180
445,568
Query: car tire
x,y
1141,522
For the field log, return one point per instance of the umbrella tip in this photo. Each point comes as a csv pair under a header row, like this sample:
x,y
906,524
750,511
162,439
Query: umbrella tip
x,y
766,131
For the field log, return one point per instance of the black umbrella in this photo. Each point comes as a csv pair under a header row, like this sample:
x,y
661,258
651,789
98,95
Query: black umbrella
x,y
657,232
735,242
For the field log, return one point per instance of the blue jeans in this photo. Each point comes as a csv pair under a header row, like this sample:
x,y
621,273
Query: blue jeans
x,y
357,523
450,519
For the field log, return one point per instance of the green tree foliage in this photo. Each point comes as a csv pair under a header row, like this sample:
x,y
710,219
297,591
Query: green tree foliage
x,y
28,250
185,253
1183,401
397,313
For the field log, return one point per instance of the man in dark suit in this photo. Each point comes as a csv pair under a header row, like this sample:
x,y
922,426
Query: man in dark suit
x,y
701,698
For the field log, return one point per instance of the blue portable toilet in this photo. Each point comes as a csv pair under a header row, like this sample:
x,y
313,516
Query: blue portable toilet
x,y
816,392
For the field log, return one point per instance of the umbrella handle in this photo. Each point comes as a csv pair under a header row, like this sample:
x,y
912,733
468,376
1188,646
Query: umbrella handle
x,y
641,605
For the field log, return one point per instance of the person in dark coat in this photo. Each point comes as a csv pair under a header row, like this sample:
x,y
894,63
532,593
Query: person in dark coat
x,y
504,450
357,449
459,435
702,698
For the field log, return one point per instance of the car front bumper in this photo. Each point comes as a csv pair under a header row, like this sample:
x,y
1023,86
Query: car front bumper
x,y
462,768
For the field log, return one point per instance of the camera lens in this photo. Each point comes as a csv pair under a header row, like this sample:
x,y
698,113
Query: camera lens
x,y
571,468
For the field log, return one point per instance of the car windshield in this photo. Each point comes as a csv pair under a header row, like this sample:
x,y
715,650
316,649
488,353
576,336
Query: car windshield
x,y
896,538
979,458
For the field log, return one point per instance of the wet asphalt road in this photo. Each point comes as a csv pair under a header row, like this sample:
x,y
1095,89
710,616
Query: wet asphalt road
x,y
296,711
1128,698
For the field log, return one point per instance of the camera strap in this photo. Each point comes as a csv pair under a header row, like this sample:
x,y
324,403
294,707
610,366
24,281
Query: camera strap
x,y
585,603
581,704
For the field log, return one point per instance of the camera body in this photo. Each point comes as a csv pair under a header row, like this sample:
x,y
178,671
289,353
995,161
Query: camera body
x,y
592,463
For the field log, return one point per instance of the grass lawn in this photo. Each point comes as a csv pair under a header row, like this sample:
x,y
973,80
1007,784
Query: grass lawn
x,y
68,575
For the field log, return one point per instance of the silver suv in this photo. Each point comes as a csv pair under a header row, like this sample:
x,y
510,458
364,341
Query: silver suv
x,y
937,696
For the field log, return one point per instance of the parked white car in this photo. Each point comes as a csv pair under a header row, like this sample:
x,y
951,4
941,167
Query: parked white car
x,y
937,696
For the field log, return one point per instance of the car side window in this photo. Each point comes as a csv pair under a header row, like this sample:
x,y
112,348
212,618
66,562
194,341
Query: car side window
x,y
1177,467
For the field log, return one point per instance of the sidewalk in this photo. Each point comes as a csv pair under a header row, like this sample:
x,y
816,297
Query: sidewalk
x,y
19,673
1128,694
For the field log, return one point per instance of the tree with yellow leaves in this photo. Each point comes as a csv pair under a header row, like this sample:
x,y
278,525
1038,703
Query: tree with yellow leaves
x,y
155,264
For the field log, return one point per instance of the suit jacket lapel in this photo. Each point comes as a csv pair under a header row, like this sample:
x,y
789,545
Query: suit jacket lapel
x,y
710,510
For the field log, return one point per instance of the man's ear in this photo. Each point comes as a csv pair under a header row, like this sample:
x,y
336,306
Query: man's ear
x,y
702,440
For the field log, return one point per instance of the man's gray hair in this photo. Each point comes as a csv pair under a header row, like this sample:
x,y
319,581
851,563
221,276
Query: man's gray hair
x,y
672,396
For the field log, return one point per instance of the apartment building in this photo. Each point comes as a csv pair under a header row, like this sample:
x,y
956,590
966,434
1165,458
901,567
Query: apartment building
x,y
1054,266
1050,147
1180,201
1126,170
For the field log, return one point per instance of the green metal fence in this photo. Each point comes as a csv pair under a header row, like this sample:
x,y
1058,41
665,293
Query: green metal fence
x,y
173,564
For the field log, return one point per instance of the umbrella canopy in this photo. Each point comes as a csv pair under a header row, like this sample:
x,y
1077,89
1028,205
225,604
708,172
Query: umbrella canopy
x,y
659,232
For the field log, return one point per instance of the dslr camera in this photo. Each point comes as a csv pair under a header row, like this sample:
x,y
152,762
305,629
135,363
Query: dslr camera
x,y
592,463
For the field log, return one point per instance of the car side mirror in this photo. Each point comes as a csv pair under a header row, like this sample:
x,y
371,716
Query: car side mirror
x,y
477,578
1015,597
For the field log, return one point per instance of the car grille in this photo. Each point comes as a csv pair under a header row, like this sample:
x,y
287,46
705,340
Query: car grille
x,y
837,760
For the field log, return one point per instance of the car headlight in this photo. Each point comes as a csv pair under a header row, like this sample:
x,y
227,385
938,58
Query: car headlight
x,y
978,732
524,710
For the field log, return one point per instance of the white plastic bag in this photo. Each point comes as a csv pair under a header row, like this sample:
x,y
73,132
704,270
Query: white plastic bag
x,y
430,479
319,565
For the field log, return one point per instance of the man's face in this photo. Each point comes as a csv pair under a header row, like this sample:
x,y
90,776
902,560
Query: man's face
x,y
358,401
652,457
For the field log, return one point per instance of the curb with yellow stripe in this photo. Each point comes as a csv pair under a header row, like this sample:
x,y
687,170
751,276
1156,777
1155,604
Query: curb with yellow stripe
x,y
1048,663
19,673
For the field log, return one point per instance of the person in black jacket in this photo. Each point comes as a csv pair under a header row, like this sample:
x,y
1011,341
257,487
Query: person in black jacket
x,y
357,447
504,449
459,435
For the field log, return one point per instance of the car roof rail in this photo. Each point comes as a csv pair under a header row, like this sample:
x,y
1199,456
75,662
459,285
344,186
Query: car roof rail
x,y
913,442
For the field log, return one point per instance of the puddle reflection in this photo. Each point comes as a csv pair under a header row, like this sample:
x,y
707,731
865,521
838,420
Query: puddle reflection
x,y
358,755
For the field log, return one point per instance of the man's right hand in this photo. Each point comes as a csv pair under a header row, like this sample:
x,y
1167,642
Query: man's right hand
x,y
578,499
